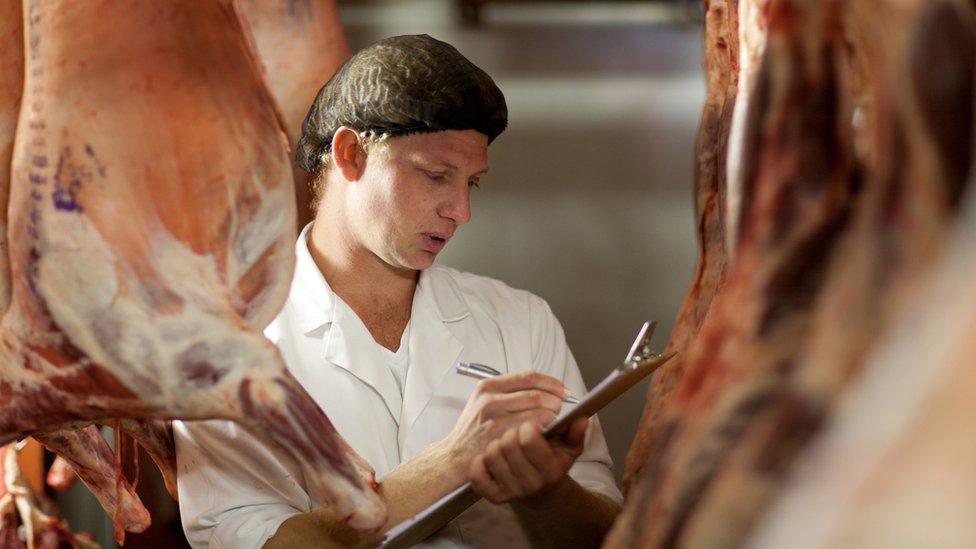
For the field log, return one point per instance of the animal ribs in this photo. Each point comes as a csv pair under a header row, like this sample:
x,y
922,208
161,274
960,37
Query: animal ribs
x,y
151,236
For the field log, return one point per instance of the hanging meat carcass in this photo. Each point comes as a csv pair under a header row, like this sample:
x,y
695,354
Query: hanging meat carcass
x,y
28,519
760,415
151,234
795,207
91,458
907,207
300,44
96,465
710,178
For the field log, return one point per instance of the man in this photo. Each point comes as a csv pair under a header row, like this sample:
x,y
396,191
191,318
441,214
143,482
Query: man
x,y
398,139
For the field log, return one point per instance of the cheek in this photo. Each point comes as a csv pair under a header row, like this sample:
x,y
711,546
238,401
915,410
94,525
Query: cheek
x,y
410,201
373,202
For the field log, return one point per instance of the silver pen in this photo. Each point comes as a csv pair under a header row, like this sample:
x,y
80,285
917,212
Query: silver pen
x,y
481,371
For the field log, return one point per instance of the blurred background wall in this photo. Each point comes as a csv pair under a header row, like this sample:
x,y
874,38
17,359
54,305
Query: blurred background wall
x,y
589,199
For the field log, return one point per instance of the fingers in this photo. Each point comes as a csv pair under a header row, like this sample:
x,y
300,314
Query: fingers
x,y
538,418
482,482
523,381
527,479
503,472
523,464
519,401
496,461
540,454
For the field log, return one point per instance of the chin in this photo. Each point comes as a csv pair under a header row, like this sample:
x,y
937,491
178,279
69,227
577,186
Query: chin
x,y
421,261
422,264
414,262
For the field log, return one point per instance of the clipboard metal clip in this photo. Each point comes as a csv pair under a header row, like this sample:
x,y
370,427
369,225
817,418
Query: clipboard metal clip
x,y
641,350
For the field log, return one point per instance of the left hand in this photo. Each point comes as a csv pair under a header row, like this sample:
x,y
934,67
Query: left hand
x,y
523,464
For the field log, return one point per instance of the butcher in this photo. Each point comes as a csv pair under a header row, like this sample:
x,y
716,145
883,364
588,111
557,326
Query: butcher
x,y
372,328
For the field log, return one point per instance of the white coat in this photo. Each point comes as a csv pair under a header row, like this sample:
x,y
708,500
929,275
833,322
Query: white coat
x,y
235,491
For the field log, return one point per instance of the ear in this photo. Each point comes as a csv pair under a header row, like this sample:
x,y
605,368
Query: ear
x,y
347,154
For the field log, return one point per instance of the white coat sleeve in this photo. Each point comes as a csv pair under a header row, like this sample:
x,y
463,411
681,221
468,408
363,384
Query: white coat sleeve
x,y
234,491
593,469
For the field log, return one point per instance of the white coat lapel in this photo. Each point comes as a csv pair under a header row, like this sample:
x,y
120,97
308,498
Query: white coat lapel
x,y
433,348
350,346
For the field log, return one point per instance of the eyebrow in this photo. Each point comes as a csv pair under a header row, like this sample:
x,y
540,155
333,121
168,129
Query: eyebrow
x,y
450,166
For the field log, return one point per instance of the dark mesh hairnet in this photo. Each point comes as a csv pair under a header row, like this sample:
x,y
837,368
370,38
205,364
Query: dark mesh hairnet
x,y
399,85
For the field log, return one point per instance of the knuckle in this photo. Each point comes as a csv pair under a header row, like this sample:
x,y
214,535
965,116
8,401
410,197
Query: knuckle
x,y
493,453
511,436
487,406
483,386
543,417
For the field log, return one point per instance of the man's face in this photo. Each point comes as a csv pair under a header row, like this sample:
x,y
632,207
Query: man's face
x,y
415,192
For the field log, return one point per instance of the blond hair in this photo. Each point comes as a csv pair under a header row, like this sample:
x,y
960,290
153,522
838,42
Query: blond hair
x,y
369,140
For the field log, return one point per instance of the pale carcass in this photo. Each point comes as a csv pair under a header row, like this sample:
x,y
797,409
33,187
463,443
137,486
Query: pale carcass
x,y
85,450
300,44
151,235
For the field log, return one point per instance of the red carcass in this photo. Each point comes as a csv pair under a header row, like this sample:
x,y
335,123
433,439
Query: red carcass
x,y
853,164
796,200
721,60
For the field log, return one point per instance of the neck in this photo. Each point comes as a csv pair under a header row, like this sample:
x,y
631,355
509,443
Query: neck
x,y
363,280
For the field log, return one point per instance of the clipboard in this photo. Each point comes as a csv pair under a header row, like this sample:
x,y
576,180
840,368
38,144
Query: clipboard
x,y
641,361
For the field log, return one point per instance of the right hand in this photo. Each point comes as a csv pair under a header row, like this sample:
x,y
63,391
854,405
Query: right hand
x,y
497,405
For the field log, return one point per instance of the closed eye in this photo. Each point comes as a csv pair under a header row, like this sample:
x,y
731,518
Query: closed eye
x,y
474,183
435,176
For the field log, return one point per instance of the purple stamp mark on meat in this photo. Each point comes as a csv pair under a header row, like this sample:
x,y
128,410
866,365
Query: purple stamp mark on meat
x,y
73,173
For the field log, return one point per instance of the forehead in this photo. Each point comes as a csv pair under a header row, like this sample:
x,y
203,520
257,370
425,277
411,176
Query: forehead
x,y
465,149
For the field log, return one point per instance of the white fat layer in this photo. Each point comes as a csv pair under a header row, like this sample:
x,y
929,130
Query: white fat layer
x,y
98,304
271,226
752,37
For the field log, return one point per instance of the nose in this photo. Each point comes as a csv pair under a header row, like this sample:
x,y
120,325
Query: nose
x,y
457,207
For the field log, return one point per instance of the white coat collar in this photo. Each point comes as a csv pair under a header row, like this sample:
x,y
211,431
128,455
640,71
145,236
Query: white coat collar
x,y
313,301
432,348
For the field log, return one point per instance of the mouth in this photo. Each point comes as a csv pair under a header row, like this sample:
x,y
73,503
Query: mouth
x,y
434,242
